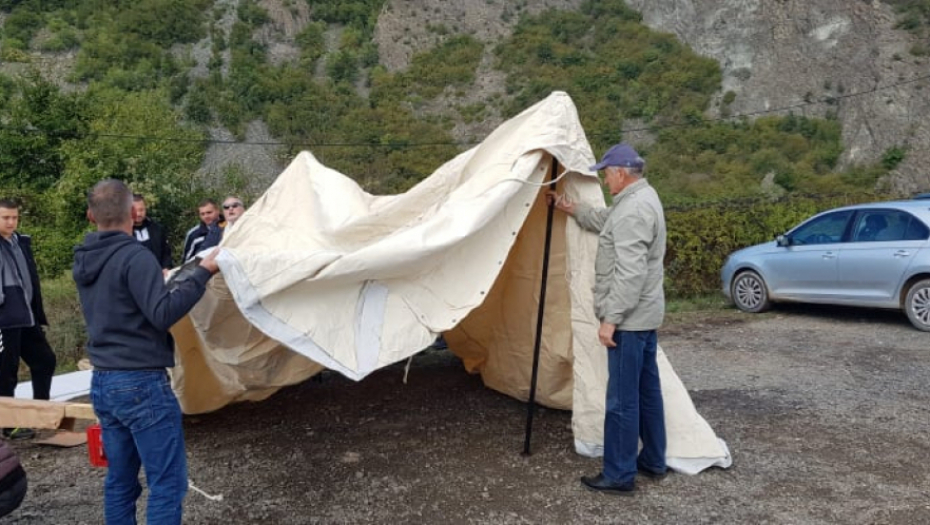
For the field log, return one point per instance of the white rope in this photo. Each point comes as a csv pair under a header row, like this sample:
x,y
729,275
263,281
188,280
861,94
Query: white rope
x,y
407,368
218,497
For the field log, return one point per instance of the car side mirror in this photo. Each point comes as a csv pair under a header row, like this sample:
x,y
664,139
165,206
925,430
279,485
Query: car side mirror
x,y
783,240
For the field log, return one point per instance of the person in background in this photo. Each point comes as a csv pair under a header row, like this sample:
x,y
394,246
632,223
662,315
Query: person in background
x,y
21,316
128,310
233,209
208,233
629,302
150,233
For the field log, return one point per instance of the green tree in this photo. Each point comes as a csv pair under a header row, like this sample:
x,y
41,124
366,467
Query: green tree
x,y
37,119
138,138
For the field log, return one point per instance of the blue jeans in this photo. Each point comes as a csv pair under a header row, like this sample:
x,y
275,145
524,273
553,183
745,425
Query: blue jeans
x,y
634,408
141,423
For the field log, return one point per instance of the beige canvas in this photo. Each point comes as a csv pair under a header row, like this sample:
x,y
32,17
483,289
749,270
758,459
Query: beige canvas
x,y
320,274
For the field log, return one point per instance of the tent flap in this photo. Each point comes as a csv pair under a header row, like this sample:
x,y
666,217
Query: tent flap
x,y
320,274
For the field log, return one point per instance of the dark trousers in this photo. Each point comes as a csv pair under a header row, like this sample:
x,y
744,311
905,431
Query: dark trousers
x,y
634,407
30,345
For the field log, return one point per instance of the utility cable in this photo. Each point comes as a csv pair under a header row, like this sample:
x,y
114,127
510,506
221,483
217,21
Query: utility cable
x,y
407,145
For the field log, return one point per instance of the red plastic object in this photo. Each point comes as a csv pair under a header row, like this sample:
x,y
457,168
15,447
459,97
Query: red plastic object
x,y
95,446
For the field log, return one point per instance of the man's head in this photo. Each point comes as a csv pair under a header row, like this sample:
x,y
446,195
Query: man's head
x,y
138,206
233,208
208,210
9,218
109,206
622,166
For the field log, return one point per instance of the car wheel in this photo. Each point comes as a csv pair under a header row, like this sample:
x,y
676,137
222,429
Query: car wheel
x,y
749,292
917,305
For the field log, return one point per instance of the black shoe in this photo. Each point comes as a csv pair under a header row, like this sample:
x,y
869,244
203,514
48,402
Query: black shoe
x,y
19,433
600,484
651,473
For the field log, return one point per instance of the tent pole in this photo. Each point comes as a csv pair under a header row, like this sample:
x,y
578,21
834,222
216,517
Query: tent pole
x,y
531,404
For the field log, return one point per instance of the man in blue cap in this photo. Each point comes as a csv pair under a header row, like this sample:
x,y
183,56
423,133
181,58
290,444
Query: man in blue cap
x,y
630,304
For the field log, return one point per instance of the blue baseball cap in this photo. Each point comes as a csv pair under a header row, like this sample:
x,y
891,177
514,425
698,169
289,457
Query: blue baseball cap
x,y
622,156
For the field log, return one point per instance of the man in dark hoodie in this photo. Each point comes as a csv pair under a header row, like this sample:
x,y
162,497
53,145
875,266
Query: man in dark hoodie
x,y
128,310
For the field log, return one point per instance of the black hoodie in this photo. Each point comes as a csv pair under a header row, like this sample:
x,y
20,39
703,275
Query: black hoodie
x,y
127,307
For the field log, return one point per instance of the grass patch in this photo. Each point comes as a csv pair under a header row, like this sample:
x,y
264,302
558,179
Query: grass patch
x,y
699,303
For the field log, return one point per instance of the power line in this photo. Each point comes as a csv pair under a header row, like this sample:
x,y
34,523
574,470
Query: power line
x,y
405,144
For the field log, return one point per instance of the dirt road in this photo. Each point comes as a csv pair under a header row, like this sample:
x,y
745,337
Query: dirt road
x,y
826,412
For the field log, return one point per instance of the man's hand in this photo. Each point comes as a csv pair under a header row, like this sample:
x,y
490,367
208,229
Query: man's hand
x,y
606,334
561,202
209,262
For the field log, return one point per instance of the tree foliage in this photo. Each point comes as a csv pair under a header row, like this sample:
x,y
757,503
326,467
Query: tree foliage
x,y
54,146
614,67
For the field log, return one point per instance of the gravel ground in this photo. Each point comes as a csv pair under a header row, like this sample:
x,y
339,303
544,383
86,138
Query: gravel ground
x,y
825,410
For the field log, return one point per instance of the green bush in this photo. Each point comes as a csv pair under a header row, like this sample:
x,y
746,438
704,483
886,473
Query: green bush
x,y
913,15
613,67
22,25
312,42
892,157
252,13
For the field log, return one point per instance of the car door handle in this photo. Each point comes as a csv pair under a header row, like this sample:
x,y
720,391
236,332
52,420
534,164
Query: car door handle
x,y
829,255
902,253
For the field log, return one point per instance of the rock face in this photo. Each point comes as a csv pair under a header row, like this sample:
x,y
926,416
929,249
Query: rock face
x,y
812,57
843,55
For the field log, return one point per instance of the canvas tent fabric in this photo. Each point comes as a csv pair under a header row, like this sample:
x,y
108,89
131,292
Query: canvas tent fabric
x,y
318,274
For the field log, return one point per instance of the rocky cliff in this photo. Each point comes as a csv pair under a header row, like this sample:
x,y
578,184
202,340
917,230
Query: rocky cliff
x,y
813,56
845,54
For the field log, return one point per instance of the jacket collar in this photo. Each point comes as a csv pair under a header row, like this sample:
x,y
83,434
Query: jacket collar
x,y
630,190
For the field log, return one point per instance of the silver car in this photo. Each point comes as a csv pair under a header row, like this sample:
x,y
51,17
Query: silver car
x,y
874,254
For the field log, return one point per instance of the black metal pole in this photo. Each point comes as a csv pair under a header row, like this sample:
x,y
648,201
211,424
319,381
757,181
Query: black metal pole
x,y
531,404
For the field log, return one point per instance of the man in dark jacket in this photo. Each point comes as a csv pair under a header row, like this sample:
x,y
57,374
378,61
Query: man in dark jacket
x,y
129,310
21,315
208,233
150,234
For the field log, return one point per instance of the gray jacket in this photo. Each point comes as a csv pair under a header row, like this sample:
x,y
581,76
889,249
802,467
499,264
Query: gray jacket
x,y
18,268
631,247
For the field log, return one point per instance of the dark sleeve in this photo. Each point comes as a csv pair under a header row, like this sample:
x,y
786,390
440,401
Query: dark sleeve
x,y
161,307
165,251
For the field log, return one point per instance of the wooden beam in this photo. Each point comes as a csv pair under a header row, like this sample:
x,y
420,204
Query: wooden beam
x,y
30,413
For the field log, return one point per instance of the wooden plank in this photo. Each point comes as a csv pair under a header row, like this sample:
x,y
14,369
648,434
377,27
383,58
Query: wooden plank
x,y
80,411
31,413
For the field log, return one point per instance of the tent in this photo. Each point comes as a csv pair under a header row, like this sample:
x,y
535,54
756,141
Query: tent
x,y
318,274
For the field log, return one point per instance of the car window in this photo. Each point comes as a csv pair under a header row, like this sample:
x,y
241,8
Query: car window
x,y
888,225
916,230
825,229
